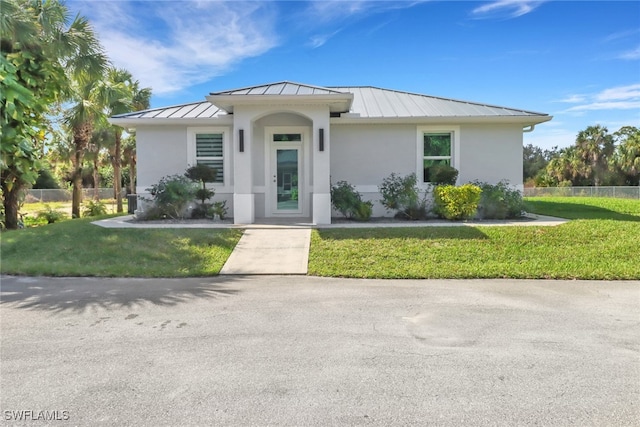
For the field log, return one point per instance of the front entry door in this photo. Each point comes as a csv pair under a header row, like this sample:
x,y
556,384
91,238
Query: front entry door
x,y
287,180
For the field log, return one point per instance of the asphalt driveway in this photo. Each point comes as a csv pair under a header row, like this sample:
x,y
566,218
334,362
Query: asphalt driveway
x,y
295,350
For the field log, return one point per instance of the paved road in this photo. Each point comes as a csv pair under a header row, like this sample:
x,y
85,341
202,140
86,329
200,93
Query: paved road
x,y
287,350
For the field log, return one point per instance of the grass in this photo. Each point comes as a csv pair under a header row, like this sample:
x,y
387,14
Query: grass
x,y
602,243
78,248
30,210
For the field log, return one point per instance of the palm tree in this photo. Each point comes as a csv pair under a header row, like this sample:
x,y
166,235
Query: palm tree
x,y
53,50
125,96
595,146
627,155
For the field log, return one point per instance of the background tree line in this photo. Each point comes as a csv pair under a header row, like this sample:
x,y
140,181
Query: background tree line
x,y
597,158
57,89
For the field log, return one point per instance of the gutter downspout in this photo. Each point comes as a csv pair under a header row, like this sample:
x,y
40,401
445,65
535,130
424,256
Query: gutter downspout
x,y
530,128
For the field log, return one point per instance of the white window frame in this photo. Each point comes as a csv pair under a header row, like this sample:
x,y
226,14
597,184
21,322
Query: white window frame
x,y
455,149
191,151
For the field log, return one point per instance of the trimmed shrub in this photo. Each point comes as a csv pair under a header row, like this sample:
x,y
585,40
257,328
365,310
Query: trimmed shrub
x,y
346,200
170,196
456,202
499,201
400,193
220,209
443,175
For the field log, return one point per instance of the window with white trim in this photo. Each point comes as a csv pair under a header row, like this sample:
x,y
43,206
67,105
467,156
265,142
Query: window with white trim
x,y
436,150
209,150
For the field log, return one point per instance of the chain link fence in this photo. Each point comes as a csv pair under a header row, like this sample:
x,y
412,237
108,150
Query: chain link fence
x,y
65,195
620,192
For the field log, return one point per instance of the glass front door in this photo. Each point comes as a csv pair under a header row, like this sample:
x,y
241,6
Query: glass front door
x,y
287,179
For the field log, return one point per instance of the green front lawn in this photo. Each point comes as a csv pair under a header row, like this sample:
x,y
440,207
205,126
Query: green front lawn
x,y
602,246
78,248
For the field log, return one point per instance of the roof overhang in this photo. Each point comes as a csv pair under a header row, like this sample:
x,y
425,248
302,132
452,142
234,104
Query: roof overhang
x,y
337,103
520,120
131,123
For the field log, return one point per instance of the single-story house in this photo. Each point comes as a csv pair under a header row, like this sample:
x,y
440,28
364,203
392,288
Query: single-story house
x,y
278,147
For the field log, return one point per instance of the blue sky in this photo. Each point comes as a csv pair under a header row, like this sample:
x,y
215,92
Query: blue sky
x,y
576,60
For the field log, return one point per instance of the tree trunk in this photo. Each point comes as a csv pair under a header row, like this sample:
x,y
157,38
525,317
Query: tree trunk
x,y
81,136
11,206
96,179
117,175
132,174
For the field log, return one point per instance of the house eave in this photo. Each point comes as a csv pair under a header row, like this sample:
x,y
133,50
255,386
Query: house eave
x,y
521,120
205,121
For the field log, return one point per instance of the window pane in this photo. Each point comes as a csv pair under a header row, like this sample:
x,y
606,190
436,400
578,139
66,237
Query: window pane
x,y
216,164
437,144
428,163
287,137
209,145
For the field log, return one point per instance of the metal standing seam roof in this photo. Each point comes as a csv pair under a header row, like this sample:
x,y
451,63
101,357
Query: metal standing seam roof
x,y
282,88
194,110
368,102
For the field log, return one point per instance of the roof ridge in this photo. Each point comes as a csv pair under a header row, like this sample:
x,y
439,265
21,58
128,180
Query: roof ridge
x,y
282,82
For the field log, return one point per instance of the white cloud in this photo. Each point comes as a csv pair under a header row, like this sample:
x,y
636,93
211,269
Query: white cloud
x,y
319,17
573,99
631,55
506,8
620,93
615,98
173,45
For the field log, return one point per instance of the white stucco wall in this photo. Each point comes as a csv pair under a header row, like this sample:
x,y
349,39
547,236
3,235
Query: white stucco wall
x,y
491,153
161,151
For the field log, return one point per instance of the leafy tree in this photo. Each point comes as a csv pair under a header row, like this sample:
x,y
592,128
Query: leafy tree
x,y
626,158
29,81
43,51
594,146
535,160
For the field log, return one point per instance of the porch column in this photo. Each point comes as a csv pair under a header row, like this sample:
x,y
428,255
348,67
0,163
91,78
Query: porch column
x,y
243,198
321,169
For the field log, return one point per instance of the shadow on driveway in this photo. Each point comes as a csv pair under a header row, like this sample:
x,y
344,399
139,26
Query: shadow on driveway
x,y
79,294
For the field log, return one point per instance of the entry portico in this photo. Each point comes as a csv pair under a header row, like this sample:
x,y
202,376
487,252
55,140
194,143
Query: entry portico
x,y
285,132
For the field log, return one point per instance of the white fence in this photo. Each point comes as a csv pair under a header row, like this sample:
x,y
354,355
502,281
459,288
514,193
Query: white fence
x,y
621,192
65,195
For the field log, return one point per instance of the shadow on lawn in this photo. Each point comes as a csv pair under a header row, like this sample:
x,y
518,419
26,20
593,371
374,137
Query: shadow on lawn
x,y
420,233
577,211
80,294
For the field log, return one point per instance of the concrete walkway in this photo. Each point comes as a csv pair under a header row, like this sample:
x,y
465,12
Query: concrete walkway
x,y
270,251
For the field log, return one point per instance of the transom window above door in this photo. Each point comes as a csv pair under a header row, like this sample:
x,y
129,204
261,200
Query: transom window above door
x,y
287,137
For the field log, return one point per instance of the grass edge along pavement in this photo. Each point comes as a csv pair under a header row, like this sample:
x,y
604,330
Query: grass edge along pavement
x,y
600,243
79,248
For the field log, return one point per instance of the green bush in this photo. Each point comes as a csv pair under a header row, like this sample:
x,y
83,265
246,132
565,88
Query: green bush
x,y
94,208
220,209
443,175
170,196
345,199
363,211
499,201
456,202
50,215
401,194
